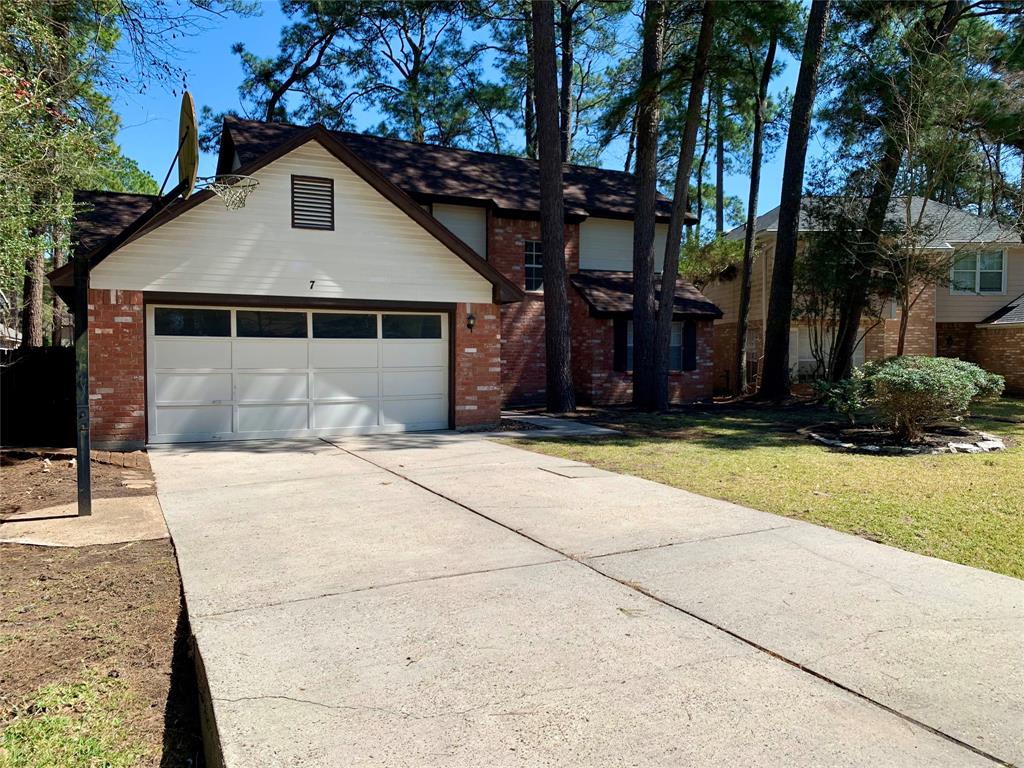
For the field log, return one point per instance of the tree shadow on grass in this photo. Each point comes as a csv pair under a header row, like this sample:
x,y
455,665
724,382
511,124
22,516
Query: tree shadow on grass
x,y
183,740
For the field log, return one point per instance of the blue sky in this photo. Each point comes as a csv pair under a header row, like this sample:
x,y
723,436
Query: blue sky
x,y
150,118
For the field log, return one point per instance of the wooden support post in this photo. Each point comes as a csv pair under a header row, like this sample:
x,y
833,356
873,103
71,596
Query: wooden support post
x,y
82,384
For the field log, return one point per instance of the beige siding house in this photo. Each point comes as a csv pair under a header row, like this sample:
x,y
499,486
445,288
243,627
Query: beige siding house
x,y
978,317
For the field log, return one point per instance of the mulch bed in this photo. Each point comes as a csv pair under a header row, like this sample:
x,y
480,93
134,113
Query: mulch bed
x,y
28,482
509,425
114,610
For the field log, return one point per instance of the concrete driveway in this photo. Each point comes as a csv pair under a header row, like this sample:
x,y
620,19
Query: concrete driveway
x,y
442,600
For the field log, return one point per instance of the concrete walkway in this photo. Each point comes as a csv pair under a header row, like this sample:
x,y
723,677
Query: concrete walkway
x,y
423,600
113,521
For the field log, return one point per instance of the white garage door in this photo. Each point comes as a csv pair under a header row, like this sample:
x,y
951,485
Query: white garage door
x,y
221,373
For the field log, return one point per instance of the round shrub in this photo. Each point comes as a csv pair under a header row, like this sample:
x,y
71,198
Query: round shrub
x,y
907,394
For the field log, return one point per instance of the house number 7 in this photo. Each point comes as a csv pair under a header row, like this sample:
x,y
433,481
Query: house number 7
x,y
311,282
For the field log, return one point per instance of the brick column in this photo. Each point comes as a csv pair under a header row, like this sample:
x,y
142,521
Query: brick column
x,y
477,366
117,369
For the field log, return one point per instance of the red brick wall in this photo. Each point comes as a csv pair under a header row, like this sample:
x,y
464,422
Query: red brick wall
x,y
117,368
999,350
725,356
522,323
522,332
954,340
597,382
883,340
724,351
477,366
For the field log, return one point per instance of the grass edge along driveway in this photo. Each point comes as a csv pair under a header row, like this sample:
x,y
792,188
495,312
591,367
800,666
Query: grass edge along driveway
x,y
968,509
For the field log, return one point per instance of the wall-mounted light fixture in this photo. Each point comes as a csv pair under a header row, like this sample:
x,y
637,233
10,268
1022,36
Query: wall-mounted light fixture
x,y
470,317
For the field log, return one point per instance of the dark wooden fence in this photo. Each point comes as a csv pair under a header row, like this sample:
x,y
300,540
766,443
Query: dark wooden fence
x,y
37,397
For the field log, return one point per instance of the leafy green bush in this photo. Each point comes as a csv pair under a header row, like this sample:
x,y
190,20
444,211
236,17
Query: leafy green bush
x,y
845,397
907,394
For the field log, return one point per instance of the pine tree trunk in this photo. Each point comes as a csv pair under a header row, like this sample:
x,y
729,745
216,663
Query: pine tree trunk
x,y
61,318
565,24
530,102
700,165
32,301
646,196
775,370
719,163
560,395
742,315
630,144
687,145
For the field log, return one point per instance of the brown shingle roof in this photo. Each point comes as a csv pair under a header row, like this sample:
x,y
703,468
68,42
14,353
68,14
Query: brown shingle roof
x,y
100,215
438,174
611,293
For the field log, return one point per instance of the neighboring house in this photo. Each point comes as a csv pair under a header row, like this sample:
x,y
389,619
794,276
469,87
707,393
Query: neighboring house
x,y
976,317
368,285
10,338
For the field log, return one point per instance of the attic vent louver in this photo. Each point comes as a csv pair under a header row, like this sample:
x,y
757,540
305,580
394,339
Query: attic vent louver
x,y
312,202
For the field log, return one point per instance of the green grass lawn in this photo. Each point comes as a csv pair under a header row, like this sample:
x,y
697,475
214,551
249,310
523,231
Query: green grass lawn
x,y
968,508
73,724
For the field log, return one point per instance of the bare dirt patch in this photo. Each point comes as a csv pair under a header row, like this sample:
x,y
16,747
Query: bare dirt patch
x,y
28,482
114,612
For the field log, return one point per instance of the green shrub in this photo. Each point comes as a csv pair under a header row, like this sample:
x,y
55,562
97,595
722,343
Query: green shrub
x,y
845,397
907,394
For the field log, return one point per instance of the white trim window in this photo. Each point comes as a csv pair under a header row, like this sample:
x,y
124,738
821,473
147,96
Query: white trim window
x,y
533,265
978,272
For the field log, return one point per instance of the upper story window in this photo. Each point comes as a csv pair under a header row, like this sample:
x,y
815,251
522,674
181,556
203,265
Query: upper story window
x,y
682,352
533,265
979,272
312,202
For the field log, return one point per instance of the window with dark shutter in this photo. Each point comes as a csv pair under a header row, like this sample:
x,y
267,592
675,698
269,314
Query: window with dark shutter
x,y
689,345
620,341
683,343
312,202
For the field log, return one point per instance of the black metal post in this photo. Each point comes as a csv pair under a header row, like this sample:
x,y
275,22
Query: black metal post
x,y
82,384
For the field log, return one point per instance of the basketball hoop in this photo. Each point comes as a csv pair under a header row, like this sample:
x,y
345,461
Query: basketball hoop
x,y
231,188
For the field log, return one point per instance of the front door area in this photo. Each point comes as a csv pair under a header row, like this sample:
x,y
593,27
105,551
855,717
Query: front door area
x,y
232,373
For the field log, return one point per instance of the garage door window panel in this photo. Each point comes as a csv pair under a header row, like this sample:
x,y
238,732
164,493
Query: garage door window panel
x,y
175,321
271,325
411,326
333,325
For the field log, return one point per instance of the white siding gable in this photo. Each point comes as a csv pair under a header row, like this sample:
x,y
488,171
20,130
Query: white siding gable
x,y
607,244
468,223
375,251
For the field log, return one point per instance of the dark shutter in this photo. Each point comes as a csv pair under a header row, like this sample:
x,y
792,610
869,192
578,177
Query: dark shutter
x,y
312,202
689,345
619,342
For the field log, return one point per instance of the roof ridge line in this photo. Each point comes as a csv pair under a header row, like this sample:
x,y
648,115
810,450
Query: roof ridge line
x,y
427,144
